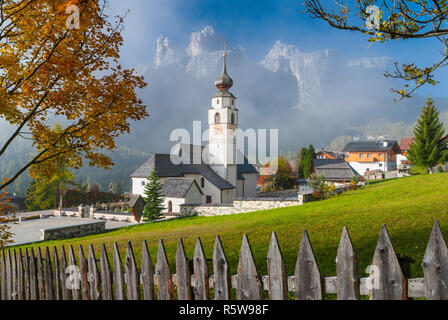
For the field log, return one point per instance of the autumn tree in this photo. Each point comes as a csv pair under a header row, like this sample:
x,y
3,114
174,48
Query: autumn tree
x,y
59,60
390,20
429,147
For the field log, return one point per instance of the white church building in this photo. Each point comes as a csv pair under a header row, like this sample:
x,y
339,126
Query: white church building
x,y
213,174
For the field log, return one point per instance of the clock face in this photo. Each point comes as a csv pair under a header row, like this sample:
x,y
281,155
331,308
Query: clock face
x,y
218,130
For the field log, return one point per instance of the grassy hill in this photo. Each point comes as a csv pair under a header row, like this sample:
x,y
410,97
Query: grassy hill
x,y
408,206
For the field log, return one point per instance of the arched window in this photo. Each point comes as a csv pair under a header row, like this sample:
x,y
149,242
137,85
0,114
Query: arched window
x,y
232,119
202,182
217,118
170,206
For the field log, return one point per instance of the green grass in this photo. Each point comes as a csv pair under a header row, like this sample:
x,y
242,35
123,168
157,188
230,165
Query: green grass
x,y
408,207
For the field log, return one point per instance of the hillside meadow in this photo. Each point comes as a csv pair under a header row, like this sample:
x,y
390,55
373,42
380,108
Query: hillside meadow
x,y
408,206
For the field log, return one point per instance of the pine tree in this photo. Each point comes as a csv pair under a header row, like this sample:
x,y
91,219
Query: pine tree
x,y
153,198
428,148
310,154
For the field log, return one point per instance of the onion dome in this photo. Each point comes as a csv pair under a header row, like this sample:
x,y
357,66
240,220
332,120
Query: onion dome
x,y
224,82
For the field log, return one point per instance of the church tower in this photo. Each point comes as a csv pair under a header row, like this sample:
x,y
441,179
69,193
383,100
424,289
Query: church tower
x,y
223,122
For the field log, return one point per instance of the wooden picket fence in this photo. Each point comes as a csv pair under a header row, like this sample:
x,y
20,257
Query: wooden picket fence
x,y
26,275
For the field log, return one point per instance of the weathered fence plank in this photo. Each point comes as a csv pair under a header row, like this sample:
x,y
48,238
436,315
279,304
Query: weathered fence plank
x,y
63,276
33,276
222,281
56,275
48,276
348,284
387,279
164,279
8,276
106,275
308,279
118,275
249,283
20,277
201,282
278,283
435,266
27,274
3,275
183,273
94,276
40,275
84,273
14,292
132,276
147,274
74,274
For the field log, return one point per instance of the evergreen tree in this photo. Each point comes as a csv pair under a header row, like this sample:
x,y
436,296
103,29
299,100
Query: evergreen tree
x,y
309,156
153,198
428,148
302,163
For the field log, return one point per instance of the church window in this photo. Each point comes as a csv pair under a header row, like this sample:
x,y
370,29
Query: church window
x,y
170,207
217,101
217,118
202,182
232,119
233,102
143,183
208,199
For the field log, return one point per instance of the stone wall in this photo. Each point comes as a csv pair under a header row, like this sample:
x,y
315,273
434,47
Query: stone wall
x,y
121,217
240,206
277,194
73,231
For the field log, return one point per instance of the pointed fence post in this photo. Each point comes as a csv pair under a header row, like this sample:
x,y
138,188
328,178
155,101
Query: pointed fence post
x,y
347,269
33,276
8,276
132,276
20,277
163,275
75,274
40,275
106,275
249,283
26,275
94,276
201,281
278,282
14,275
308,281
118,275
48,276
56,275
147,274
435,266
387,281
84,274
183,273
63,276
222,282
3,275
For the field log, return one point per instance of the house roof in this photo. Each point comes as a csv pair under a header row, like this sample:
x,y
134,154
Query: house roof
x,y
355,146
165,168
405,143
178,188
334,169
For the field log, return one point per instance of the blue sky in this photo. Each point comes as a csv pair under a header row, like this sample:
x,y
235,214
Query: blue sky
x,y
256,25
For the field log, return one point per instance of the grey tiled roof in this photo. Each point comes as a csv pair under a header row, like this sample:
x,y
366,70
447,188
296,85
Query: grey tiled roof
x,y
178,188
369,146
336,170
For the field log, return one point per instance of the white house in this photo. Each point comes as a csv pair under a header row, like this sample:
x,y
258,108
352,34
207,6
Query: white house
x,y
210,174
366,156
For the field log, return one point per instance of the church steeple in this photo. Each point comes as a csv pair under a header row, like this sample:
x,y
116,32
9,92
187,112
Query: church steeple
x,y
224,82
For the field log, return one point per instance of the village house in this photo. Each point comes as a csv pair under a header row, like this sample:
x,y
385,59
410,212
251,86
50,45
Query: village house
x,y
402,159
213,174
336,171
365,156
325,154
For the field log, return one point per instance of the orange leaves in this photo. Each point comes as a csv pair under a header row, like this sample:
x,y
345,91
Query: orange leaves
x,y
74,77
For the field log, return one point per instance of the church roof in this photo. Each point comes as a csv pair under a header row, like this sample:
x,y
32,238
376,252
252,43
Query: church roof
x,y
224,94
178,188
166,169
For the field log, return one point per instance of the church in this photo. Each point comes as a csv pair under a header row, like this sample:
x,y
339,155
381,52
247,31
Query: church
x,y
214,174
